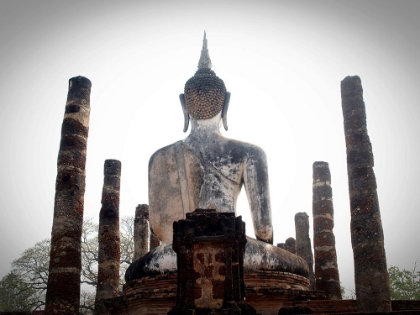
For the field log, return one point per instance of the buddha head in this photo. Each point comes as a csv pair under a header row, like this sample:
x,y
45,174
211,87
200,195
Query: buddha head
x,y
205,94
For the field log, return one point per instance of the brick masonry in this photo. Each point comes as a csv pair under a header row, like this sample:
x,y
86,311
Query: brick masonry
x,y
303,243
210,247
141,231
63,289
109,237
370,268
326,268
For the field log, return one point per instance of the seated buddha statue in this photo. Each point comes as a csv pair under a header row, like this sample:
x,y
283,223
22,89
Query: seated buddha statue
x,y
207,171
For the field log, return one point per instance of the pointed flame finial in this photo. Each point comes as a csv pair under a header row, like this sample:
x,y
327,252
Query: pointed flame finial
x,y
205,62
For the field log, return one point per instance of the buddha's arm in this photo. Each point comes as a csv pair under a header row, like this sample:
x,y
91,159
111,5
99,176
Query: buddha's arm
x,y
257,190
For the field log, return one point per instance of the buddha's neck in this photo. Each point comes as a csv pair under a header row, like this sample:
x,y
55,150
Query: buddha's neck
x,y
201,130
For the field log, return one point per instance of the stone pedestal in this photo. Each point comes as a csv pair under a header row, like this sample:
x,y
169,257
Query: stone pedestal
x,y
210,247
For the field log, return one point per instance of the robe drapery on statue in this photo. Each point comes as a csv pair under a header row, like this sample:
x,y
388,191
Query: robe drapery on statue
x,y
183,177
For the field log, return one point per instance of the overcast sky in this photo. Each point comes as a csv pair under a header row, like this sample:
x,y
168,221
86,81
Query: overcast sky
x,y
281,60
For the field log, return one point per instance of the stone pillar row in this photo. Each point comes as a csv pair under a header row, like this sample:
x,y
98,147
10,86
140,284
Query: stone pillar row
x,y
371,276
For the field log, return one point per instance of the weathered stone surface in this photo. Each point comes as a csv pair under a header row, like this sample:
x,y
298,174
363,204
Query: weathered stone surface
x,y
154,241
207,170
258,256
210,248
141,231
63,292
303,243
109,237
371,275
326,268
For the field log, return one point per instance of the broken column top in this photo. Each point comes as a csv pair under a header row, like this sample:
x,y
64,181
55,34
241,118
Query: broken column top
x,y
321,172
112,167
79,91
319,164
142,210
350,84
301,215
352,103
81,81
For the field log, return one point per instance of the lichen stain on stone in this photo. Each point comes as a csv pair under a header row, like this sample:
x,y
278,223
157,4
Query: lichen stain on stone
x,y
164,259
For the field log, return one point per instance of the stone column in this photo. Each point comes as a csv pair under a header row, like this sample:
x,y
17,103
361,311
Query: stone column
x,y
303,243
141,231
290,245
63,290
371,275
281,245
109,237
326,269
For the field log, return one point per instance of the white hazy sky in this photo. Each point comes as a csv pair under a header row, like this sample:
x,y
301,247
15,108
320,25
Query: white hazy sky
x,y
281,60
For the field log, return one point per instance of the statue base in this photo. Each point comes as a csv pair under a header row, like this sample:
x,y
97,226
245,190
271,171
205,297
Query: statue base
x,y
271,277
266,291
235,308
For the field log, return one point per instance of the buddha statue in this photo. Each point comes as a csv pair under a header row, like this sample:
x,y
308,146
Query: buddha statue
x,y
207,171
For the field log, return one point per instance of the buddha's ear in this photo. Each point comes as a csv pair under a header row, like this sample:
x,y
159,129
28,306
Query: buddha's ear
x,y
225,109
184,110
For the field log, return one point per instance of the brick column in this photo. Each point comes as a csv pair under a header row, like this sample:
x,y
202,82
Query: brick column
x,y
109,237
290,245
326,269
303,243
63,290
141,231
281,245
371,275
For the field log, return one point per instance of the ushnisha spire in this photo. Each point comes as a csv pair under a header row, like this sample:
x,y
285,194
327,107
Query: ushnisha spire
x,y
204,62
204,93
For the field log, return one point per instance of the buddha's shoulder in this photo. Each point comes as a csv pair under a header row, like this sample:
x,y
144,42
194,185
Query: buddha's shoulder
x,y
165,153
245,148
